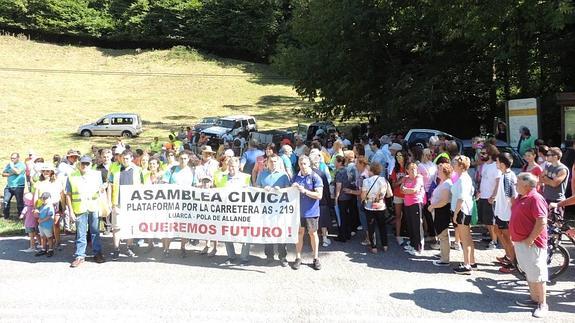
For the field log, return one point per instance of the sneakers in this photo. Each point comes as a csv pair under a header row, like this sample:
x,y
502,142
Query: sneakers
x,y
116,254
413,252
503,260
316,264
541,311
77,262
399,240
229,261
40,253
434,246
213,252
99,258
472,266
492,245
50,253
326,242
130,253
296,264
528,302
365,242
439,263
29,250
507,269
205,250
284,262
462,270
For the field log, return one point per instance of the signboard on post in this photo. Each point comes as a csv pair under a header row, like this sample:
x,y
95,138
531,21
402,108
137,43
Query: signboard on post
x,y
522,113
569,122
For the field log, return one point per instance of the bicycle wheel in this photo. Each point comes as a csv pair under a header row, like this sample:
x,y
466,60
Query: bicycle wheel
x,y
557,261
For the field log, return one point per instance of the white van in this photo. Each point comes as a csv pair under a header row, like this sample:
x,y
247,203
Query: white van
x,y
232,124
114,124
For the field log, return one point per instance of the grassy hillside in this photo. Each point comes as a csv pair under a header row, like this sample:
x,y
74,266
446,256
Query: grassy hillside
x,y
43,101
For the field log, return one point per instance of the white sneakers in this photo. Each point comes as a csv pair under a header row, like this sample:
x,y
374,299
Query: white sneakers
x,y
326,242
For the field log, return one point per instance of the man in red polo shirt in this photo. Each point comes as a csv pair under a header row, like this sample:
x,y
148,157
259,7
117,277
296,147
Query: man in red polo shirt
x,y
528,229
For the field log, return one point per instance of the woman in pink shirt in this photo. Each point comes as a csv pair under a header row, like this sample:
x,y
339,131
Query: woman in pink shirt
x,y
414,194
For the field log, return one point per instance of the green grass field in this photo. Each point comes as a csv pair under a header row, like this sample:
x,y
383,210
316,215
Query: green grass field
x,y
42,101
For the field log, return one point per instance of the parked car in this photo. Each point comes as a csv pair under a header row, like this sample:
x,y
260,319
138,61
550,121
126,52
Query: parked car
x,y
272,136
114,124
423,135
503,147
232,124
205,123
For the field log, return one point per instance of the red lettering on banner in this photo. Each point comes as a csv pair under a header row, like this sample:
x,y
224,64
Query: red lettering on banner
x,y
265,232
143,227
213,229
175,227
163,227
277,232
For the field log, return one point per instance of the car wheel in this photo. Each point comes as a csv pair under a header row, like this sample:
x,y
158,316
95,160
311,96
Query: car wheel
x,y
86,133
126,134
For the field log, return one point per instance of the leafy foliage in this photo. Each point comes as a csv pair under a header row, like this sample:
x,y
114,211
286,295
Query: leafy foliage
x,y
245,26
412,63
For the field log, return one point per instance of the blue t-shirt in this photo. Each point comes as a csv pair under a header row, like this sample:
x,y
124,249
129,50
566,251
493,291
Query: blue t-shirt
x,y
309,208
16,180
266,178
249,158
46,211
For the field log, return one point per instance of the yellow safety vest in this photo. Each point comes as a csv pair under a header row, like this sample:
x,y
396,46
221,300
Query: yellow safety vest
x,y
221,180
156,146
85,191
138,179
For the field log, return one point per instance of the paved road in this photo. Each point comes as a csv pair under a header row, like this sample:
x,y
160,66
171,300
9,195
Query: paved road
x,y
352,287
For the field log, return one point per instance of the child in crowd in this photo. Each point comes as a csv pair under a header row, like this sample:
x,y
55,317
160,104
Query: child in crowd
x,y
45,214
30,223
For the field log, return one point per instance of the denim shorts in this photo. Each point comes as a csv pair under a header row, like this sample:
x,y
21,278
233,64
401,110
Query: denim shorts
x,y
31,230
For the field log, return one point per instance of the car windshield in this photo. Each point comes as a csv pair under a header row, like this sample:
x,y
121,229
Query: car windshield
x,y
209,120
225,123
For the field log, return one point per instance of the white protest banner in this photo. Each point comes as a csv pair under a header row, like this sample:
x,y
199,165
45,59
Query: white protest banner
x,y
237,215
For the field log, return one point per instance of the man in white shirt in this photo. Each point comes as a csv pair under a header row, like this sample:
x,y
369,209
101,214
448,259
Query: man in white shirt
x,y
488,184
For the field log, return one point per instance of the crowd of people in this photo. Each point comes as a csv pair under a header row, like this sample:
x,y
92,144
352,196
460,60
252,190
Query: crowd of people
x,y
421,189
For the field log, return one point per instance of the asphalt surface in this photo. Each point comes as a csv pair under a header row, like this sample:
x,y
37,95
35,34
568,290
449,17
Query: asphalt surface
x,y
352,286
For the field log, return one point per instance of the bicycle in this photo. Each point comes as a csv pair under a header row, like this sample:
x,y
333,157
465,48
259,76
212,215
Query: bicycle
x,y
558,257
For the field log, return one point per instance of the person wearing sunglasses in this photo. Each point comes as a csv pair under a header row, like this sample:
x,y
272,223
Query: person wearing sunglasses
x,y
554,178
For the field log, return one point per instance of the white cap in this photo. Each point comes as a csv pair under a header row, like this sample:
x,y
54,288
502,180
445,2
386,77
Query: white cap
x,y
119,150
395,146
229,153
